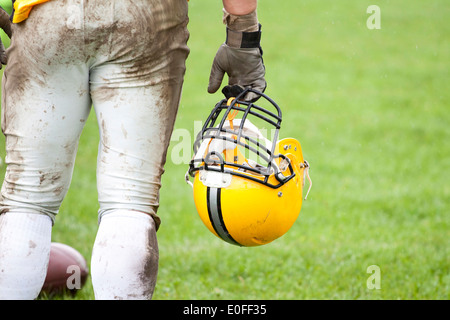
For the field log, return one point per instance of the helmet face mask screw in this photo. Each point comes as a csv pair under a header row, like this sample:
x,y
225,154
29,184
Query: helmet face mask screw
x,y
280,194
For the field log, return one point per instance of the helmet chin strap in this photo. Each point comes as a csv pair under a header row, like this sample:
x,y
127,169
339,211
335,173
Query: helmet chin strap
x,y
306,173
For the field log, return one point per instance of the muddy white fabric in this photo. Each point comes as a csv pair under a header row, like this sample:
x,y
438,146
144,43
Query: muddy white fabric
x,y
128,61
124,58
24,253
124,263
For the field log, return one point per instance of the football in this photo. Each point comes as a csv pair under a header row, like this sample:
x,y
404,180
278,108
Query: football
x,y
67,270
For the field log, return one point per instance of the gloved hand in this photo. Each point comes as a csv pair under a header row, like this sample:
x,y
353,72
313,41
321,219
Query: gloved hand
x,y
240,56
5,24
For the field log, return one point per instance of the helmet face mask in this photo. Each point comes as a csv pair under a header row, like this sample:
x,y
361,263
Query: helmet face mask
x,y
247,184
237,145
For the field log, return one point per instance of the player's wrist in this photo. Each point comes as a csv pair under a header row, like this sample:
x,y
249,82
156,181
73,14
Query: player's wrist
x,y
244,23
242,31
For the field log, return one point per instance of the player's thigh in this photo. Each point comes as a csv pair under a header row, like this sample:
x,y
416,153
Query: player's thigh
x,y
136,93
135,128
45,103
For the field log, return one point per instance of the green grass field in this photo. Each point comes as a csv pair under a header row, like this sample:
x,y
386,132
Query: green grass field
x,y
371,110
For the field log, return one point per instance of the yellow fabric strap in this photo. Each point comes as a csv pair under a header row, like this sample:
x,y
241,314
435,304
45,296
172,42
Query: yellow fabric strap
x,y
22,9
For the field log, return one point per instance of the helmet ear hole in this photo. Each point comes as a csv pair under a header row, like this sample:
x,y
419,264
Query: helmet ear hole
x,y
284,164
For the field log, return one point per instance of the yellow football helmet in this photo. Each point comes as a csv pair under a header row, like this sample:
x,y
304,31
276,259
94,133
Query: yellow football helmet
x,y
247,185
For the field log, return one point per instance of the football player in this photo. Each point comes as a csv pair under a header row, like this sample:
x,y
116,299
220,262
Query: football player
x,y
127,60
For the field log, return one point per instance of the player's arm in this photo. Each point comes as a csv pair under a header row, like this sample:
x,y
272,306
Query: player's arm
x,y
5,25
240,7
240,57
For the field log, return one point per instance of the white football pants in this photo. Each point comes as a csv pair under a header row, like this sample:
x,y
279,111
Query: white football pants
x,y
127,60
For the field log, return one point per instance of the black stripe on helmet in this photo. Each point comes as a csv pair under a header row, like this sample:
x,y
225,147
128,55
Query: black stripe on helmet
x,y
213,196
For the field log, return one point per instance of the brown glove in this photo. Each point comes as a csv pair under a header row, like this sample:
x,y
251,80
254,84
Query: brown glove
x,y
240,56
5,24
